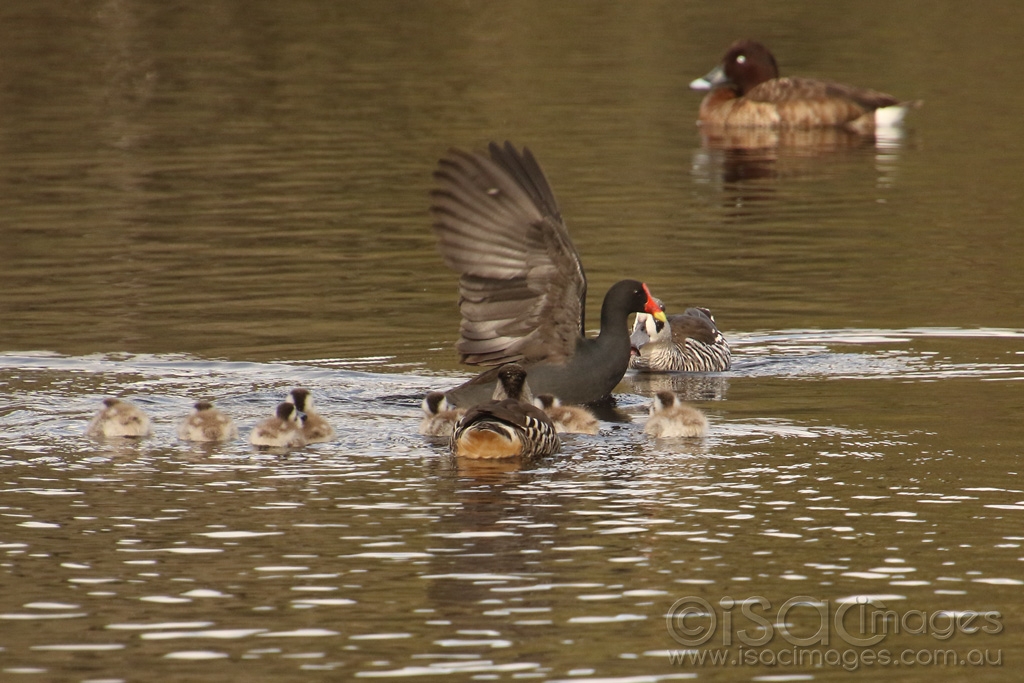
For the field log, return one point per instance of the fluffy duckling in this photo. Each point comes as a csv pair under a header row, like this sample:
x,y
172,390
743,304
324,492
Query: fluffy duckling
x,y
119,418
670,417
314,427
281,431
439,416
507,427
206,423
567,419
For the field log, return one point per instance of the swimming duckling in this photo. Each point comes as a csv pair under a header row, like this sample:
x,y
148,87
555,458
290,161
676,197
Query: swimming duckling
x,y
314,427
281,431
119,418
670,417
439,416
206,423
567,419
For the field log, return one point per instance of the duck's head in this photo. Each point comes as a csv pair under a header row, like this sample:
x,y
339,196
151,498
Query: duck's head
x,y
287,412
747,64
663,400
546,401
301,399
435,403
512,383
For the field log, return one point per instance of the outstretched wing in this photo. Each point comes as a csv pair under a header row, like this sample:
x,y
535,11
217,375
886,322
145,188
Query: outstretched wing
x,y
521,288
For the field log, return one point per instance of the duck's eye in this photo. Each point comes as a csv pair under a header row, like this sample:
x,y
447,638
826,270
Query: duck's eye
x,y
742,59
658,325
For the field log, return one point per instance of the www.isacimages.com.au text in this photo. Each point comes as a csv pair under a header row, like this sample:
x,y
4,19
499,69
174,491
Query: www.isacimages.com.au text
x,y
849,659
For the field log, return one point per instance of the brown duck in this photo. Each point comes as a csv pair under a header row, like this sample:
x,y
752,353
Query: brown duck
x,y
507,427
746,91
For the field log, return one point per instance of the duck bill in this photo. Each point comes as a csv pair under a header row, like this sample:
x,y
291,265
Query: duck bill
x,y
653,308
711,79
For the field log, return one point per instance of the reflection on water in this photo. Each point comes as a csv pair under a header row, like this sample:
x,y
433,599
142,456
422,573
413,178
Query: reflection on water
x,y
730,155
376,555
225,202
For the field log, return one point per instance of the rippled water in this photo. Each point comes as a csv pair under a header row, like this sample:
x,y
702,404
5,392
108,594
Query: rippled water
x,y
376,555
227,202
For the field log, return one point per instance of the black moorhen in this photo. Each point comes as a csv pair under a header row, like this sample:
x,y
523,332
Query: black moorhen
x,y
522,289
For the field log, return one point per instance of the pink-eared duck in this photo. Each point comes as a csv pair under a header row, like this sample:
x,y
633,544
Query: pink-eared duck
x,y
669,417
508,427
567,419
439,416
119,418
522,288
746,91
689,342
206,423
314,427
283,430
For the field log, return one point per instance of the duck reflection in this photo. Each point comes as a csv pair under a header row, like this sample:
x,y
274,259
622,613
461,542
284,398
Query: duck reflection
x,y
737,155
492,470
688,386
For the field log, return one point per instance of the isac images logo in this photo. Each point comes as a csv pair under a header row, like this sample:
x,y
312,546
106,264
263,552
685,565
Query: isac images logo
x,y
809,632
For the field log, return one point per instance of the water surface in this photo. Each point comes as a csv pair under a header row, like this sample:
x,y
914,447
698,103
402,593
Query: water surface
x,y
230,201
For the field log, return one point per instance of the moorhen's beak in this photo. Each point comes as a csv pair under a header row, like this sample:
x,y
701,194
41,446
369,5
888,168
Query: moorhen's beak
x,y
652,307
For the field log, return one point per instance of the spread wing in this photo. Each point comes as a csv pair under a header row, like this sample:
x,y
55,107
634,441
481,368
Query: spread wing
x,y
521,287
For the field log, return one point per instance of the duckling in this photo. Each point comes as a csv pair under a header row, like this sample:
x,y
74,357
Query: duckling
x,y
314,427
439,416
206,423
119,418
567,419
507,427
670,417
281,431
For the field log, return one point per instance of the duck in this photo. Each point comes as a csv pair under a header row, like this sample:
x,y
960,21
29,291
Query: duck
x,y
688,342
439,416
522,287
207,423
567,419
119,418
669,417
283,430
504,428
512,383
314,427
746,91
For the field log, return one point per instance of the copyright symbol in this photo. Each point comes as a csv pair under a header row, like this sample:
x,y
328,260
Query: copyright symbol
x,y
691,621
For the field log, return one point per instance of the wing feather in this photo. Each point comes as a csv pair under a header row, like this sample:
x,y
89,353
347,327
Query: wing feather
x,y
808,89
521,288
